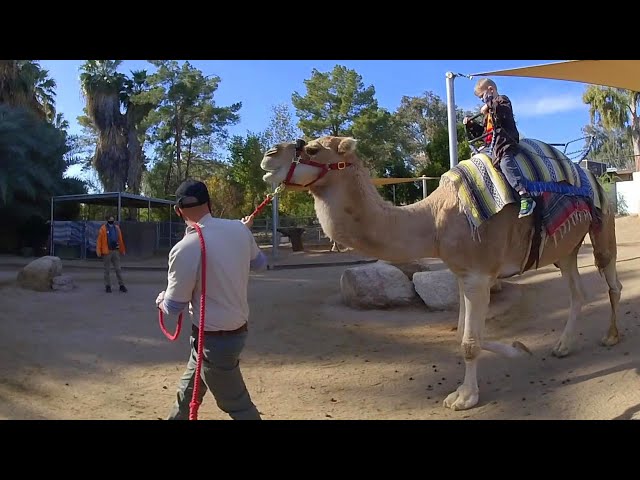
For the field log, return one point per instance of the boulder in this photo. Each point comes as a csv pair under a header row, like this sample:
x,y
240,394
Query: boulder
x,y
376,285
415,266
38,274
438,290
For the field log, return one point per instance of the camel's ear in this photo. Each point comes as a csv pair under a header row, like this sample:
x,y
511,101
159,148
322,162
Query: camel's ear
x,y
347,145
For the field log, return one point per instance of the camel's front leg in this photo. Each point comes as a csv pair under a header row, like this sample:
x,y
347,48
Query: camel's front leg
x,y
476,304
569,269
461,312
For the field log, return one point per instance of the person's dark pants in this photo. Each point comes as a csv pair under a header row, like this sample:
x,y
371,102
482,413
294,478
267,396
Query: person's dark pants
x,y
220,374
512,172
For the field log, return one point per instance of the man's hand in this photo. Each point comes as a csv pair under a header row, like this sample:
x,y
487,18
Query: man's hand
x,y
465,120
484,109
247,221
160,299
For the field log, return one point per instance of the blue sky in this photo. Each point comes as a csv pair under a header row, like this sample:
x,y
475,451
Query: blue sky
x,y
549,110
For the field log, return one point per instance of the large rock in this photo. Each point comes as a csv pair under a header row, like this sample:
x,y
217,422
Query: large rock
x,y
376,285
39,274
438,290
415,266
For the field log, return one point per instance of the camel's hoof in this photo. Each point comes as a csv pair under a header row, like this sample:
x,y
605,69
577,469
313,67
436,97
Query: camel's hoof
x,y
462,399
610,340
521,347
562,349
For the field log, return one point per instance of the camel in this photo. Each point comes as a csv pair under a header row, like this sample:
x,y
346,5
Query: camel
x,y
352,212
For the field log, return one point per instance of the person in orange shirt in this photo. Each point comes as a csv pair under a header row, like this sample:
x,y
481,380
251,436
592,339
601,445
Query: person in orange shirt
x,y
110,246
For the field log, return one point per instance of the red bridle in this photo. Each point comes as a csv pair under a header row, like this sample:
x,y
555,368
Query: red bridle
x,y
301,156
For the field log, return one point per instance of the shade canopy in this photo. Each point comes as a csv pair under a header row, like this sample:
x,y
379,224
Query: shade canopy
x,y
128,200
610,73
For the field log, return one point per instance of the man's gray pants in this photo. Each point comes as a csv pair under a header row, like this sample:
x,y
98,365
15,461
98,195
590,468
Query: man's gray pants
x,y
112,257
222,376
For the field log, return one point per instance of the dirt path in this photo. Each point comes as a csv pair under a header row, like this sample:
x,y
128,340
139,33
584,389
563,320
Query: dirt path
x,y
89,355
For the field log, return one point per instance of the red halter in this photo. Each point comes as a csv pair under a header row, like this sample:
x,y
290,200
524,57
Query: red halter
x,y
302,157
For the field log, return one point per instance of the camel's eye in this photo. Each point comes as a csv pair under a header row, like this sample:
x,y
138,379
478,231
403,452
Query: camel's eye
x,y
312,149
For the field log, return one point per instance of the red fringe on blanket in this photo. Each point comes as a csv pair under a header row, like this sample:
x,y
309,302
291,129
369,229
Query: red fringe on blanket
x,y
561,211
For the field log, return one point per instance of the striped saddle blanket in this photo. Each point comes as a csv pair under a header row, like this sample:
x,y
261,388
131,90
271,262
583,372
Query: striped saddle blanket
x,y
483,190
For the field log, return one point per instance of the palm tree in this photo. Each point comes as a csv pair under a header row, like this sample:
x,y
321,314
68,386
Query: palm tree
x,y
614,108
23,83
138,105
102,87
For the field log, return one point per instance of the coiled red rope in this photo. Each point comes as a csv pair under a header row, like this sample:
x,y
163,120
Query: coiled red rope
x,y
195,403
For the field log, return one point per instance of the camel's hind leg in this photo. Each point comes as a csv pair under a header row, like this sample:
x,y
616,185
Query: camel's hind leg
x,y
569,268
605,252
615,289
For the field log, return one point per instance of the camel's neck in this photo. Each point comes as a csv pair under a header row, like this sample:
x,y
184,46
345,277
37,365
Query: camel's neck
x,y
352,212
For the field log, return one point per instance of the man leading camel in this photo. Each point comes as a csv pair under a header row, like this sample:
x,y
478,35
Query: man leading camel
x,y
231,251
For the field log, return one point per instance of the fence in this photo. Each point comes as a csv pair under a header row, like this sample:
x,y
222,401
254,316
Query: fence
x,y
77,239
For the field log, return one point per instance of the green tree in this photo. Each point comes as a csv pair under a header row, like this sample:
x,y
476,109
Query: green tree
x,y
612,147
32,165
244,168
333,101
614,108
186,113
281,127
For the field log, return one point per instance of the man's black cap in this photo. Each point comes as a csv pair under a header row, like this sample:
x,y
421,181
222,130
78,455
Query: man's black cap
x,y
192,193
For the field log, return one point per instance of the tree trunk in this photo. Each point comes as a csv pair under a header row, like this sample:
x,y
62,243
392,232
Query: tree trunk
x,y
188,163
167,178
635,140
178,145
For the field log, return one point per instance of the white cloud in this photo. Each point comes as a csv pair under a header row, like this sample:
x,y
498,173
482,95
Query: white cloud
x,y
548,105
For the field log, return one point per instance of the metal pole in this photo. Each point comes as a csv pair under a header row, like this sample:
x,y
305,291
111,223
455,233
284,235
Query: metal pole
x,y
170,208
451,115
119,206
424,188
394,193
149,211
51,229
274,221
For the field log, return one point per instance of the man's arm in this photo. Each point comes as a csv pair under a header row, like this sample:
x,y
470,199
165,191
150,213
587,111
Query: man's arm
x,y
258,260
182,278
259,263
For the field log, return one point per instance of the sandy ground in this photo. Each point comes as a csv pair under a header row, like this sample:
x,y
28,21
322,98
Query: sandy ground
x,y
90,355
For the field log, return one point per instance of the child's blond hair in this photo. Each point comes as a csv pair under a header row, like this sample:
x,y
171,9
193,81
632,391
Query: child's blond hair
x,y
483,84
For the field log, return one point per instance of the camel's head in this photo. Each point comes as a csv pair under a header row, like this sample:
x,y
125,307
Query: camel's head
x,y
304,164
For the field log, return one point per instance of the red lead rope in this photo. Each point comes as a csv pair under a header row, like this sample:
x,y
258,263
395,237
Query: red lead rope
x,y
195,403
267,199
